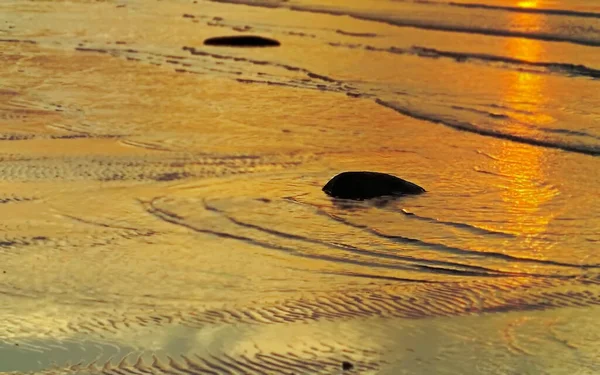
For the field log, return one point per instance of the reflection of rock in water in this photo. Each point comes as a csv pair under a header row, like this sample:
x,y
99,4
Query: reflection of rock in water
x,y
367,185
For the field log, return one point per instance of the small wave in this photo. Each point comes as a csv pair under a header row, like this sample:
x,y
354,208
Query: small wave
x,y
399,22
468,227
504,107
565,68
428,265
361,35
571,70
468,127
488,114
302,246
556,12
569,132
448,267
548,37
460,251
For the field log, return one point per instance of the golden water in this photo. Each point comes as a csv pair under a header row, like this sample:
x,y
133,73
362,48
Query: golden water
x,y
162,208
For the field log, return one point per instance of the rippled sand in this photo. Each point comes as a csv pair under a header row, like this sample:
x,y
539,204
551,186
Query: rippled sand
x,y
162,211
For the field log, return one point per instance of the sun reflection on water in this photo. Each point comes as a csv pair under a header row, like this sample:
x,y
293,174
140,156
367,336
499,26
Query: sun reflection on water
x,y
527,4
525,192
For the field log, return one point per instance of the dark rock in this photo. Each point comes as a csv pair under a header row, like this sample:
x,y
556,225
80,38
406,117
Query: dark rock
x,y
241,41
347,366
366,185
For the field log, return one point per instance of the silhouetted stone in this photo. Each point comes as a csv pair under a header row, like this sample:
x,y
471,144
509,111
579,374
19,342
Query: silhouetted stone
x,y
366,185
346,366
241,41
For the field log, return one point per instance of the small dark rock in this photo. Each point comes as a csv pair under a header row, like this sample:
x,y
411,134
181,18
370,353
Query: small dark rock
x,y
241,41
347,366
367,185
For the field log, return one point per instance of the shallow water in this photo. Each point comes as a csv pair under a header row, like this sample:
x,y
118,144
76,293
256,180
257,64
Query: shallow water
x,y
162,200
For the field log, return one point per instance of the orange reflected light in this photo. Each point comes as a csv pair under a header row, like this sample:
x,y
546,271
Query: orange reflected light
x,y
525,91
527,4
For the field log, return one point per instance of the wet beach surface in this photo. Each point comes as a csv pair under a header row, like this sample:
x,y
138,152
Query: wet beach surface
x,y
162,205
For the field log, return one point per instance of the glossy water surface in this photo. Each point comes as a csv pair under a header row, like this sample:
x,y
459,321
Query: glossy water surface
x,y
162,205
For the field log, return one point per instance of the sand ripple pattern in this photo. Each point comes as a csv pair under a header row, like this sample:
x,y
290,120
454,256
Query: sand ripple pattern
x,y
150,168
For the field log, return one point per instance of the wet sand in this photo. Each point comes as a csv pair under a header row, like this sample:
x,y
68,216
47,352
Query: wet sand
x,y
163,211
